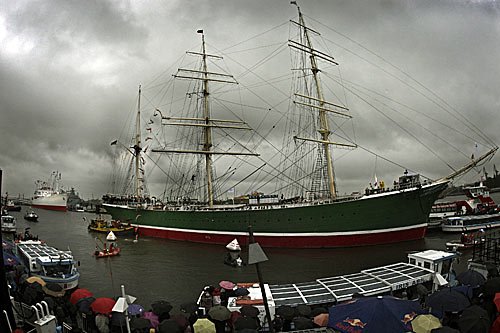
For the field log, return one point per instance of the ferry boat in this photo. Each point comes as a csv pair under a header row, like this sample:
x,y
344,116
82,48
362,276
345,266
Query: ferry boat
x,y
49,195
8,223
471,223
432,268
48,263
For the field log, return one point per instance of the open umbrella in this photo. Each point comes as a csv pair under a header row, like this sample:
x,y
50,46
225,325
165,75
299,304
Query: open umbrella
x,y
380,314
303,310
425,323
169,326
135,309
321,319
286,312
83,304
471,278
140,324
474,319
496,300
317,311
53,289
181,320
203,325
219,312
79,294
302,323
249,311
245,322
161,307
228,285
103,305
152,317
491,287
241,292
189,307
447,300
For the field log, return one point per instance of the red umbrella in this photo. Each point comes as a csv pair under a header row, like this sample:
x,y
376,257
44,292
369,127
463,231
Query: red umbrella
x,y
103,305
228,285
78,294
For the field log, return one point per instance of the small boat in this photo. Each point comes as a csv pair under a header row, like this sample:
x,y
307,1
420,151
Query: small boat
x,y
471,223
100,224
11,206
466,241
107,252
8,223
31,216
48,263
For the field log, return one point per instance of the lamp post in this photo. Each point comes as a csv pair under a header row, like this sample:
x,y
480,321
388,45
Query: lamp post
x,y
255,256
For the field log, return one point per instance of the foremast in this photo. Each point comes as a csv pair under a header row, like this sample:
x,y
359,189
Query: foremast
x,y
319,103
206,121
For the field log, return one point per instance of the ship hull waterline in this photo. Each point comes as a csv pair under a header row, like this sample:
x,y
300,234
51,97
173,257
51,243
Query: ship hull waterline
x,y
388,217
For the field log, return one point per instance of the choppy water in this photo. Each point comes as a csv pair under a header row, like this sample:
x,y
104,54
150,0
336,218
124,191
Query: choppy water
x,y
153,269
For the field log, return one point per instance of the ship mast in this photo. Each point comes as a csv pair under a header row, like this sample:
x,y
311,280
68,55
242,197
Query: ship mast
x,y
208,130
206,122
318,103
137,149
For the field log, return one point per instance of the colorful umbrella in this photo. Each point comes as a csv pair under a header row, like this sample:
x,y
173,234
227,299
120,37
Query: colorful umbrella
x,y
374,314
103,305
425,323
203,325
153,318
79,294
219,312
33,279
135,309
228,285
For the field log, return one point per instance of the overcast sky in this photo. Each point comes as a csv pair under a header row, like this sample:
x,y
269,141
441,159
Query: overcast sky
x,y
70,69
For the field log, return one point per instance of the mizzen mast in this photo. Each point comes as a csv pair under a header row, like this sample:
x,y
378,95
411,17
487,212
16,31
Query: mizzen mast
x,y
318,103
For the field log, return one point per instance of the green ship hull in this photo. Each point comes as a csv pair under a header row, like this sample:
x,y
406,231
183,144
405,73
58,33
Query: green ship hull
x,y
385,217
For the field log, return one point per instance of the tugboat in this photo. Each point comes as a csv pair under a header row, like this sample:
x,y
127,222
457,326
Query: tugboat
x,y
100,224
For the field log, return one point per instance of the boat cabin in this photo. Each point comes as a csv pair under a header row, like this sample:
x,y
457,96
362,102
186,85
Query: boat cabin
x,y
438,261
8,223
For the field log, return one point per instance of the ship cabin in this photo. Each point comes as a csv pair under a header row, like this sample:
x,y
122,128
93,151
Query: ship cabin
x,y
440,262
48,263
408,181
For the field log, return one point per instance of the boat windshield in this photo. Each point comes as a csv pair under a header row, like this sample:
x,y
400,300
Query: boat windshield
x,y
57,270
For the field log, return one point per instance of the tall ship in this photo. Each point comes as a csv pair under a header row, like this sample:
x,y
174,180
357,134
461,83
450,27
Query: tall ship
x,y
49,194
296,202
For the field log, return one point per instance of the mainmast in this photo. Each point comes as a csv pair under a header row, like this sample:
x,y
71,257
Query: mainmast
x,y
318,103
137,149
208,130
205,121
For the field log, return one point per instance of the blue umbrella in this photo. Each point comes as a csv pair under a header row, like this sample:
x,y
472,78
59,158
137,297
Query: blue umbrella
x,y
447,300
135,309
374,314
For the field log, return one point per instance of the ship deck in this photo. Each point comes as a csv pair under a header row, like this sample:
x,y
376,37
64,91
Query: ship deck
x,y
368,282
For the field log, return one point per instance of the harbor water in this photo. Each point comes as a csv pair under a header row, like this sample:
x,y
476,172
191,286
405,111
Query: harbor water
x,y
153,269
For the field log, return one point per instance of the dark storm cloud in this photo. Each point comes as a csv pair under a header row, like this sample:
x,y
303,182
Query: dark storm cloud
x,y
70,71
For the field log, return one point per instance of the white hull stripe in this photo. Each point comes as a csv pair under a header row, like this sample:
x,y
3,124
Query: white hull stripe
x,y
277,234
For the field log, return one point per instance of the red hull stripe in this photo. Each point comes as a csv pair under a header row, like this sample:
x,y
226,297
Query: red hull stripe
x,y
289,241
49,207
